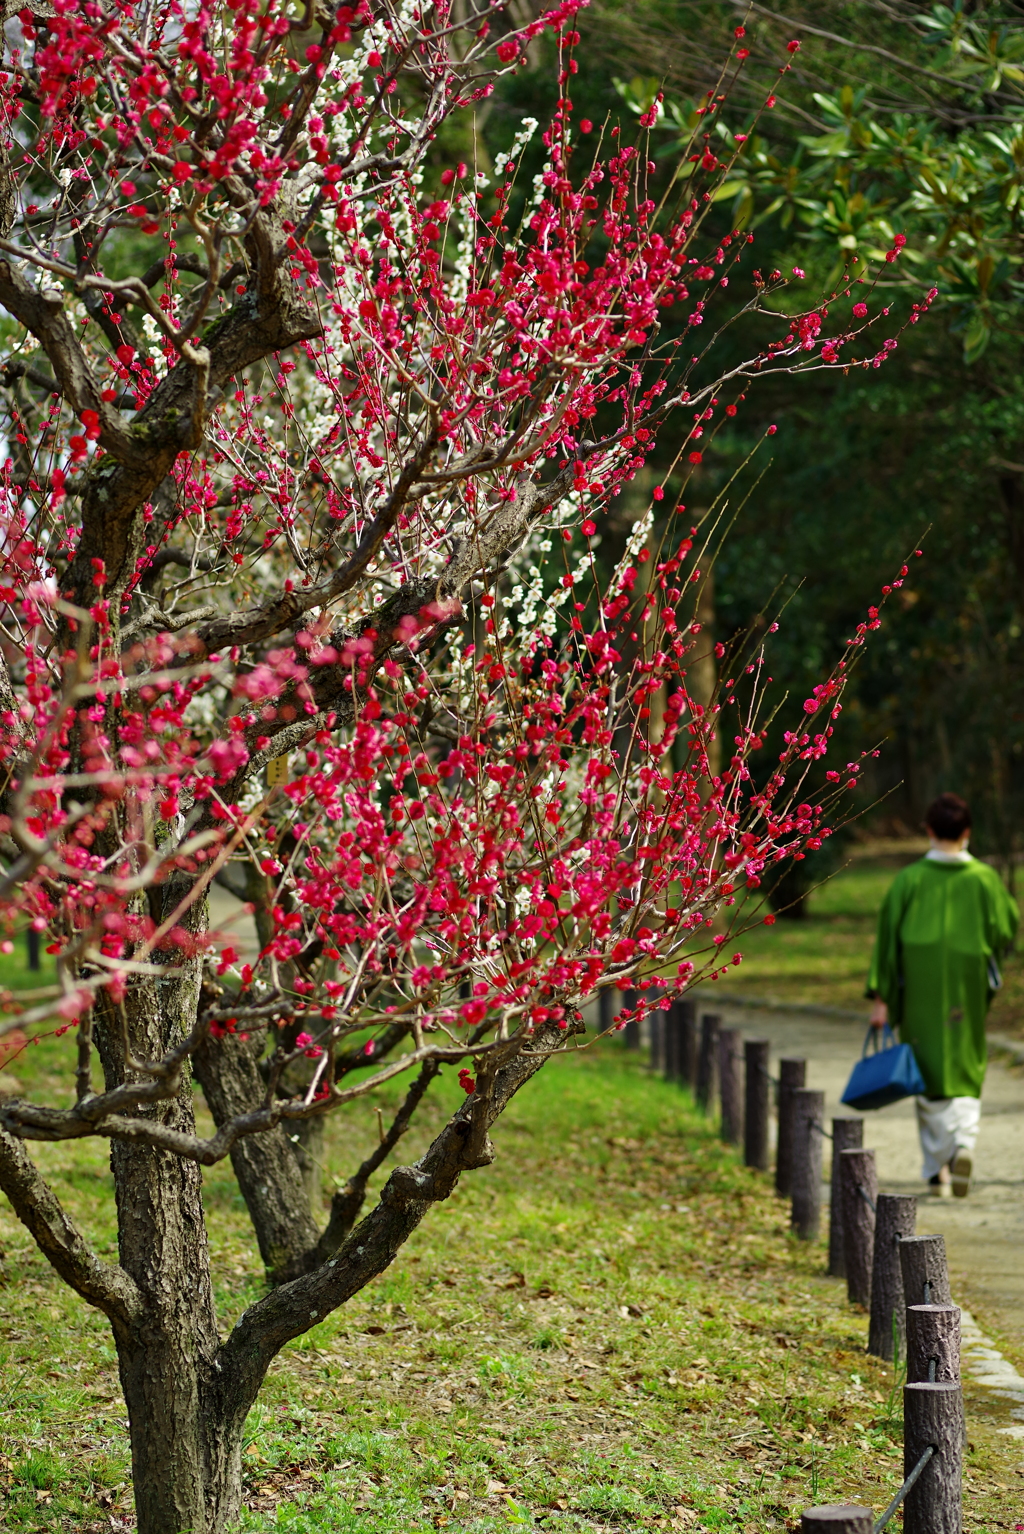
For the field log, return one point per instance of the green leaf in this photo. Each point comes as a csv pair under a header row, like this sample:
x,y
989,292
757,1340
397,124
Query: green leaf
x,y
976,338
640,93
744,209
827,144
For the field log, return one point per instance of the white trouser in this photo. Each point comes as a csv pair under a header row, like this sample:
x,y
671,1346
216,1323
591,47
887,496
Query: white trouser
x,y
946,1125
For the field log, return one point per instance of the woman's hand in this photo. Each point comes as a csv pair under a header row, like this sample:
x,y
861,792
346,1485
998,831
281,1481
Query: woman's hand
x,y
879,1013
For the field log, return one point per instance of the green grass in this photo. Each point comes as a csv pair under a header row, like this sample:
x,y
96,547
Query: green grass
x,y
608,1329
823,959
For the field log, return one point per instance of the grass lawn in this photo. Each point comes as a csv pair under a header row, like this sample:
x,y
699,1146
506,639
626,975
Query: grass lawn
x,y
823,959
608,1329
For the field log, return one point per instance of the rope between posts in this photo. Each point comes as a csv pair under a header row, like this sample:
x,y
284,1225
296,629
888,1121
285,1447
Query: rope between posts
x,y
866,1196
822,1131
907,1484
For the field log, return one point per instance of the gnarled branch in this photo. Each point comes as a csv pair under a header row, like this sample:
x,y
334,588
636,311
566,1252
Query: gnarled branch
x,y
103,1284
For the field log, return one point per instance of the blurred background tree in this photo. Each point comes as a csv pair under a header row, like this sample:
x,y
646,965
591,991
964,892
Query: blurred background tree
x,y
893,118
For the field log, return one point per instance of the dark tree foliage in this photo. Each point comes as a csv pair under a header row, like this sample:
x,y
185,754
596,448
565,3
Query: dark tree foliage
x,y
893,117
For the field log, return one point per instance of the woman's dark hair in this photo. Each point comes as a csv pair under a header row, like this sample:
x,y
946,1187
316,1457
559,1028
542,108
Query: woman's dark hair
x,y
948,817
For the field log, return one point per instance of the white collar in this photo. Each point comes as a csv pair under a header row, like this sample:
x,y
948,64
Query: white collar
x,y
939,855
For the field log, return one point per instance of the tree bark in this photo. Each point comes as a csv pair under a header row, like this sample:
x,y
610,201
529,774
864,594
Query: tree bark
x,y
269,1177
687,1015
836,1518
792,1075
707,1060
187,1395
858,1182
166,1357
847,1134
933,1415
756,1104
808,1113
730,1084
933,1343
925,1275
659,1024
895,1217
673,1028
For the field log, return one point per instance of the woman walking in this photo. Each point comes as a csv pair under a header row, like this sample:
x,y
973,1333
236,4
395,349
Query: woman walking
x,y
944,924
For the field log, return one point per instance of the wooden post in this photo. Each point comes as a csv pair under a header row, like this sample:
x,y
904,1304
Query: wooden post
x,y
730,1084
706,1060
858,1183
688,1043
757,1099
933,1343
605,1008
658,1021
670,1028
847,1134
792,1076
808,1121
895,1216
933,1415
923,1263
836,1519
631,1032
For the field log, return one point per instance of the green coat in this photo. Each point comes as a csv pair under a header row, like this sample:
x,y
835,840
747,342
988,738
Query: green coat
x,y
940,926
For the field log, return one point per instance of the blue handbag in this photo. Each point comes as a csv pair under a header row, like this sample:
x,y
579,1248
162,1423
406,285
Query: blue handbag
x,y
886,1075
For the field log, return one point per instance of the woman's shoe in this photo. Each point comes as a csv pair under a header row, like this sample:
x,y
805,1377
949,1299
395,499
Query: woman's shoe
x,y
961,1167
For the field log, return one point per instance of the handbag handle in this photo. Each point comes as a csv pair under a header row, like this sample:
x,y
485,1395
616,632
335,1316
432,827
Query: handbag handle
x,y
889,1041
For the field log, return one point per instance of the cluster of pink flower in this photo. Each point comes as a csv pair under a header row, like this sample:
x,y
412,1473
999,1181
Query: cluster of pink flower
x,y
477,830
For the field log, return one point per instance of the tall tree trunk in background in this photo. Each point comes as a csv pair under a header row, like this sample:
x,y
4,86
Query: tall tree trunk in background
x,y
268,1172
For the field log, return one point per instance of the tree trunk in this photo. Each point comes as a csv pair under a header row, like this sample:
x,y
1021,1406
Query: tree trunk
x,y
308,1143
268,1171
186,1458
186,1462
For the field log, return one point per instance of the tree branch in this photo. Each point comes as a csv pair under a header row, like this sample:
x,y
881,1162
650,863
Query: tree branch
x,y
462,1145
104,1285
42,313
347,1202
31,1121
271,617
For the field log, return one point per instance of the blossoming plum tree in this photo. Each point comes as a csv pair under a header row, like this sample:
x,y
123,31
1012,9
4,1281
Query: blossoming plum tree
x,y
310,445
